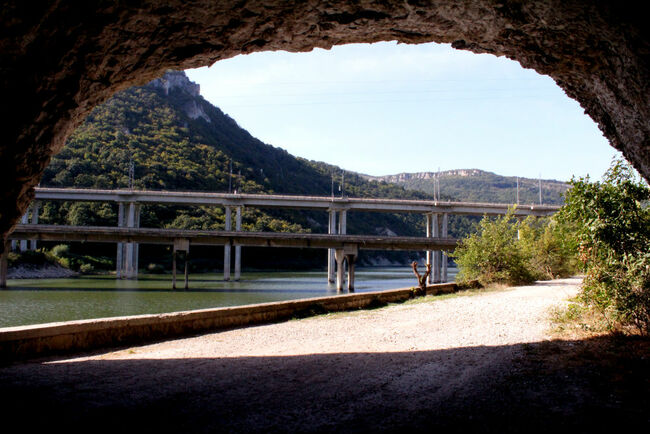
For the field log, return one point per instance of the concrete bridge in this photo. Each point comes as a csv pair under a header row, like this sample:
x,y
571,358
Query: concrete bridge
x,y
130,201
346,247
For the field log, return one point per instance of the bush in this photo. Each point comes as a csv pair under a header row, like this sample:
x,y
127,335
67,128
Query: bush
x,y
493,255
61,250
612,221
550,248
86,268
510,252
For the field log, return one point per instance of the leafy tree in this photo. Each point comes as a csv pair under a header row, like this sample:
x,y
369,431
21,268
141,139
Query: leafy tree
x,y
549,246
612,222
493,255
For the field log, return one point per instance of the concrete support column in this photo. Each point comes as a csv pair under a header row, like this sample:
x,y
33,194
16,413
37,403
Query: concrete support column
x,y
136,246
349,254
119,261
24,220
435,269
181,245
238,248
132,221
519,221
331,266
444,234
350,259
343,222
340,277
33,244
429,252
226,247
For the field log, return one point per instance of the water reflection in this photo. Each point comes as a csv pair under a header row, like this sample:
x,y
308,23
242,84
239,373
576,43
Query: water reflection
x,y
38,301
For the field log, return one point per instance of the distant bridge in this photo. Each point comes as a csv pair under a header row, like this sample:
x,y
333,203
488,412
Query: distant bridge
x,y
324,203
130,201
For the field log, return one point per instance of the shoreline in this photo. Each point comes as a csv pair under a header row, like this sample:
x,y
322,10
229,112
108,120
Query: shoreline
x,y
50,271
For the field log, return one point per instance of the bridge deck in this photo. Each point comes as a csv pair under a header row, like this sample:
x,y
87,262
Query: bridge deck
x,y
287,201
261,239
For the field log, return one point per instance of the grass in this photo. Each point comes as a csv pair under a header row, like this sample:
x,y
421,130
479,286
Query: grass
x,y
578,320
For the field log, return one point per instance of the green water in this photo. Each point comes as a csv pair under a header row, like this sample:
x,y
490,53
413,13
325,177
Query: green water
x,y
36,301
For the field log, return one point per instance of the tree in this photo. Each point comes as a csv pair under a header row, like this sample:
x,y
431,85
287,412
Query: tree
x,y
493,255
612,224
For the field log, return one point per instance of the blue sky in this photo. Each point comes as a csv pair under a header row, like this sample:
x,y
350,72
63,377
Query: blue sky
x,y
387,108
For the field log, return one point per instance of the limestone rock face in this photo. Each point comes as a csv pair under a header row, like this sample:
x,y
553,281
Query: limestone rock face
x,y
176,80
59,59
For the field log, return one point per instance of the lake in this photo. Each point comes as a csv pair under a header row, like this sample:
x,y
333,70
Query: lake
x,y
36,301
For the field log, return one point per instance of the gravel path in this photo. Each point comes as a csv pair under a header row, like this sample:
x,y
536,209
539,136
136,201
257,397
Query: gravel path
x,y
446,364
507,317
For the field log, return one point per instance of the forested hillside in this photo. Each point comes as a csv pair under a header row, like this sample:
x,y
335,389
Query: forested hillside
x,y
170,138
475,185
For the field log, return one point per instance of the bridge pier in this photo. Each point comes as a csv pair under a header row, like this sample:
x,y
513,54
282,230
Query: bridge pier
x,y
23,244
334,229
181,245
227,248
237,247
331,266
24,220
348,253
443,255
127,254
36,205
437,226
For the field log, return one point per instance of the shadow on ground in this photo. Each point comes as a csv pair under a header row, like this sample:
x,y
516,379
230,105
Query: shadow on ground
x,y
593,385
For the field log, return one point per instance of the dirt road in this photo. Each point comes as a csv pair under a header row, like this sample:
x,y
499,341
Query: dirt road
x,y
479,363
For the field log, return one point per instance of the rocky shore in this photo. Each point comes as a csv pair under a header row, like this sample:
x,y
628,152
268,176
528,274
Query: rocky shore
x,y
47,271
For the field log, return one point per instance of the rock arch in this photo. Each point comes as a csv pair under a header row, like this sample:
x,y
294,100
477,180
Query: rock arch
x,y
58,59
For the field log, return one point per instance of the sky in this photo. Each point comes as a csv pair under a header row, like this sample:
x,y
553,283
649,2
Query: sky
x,y
388,108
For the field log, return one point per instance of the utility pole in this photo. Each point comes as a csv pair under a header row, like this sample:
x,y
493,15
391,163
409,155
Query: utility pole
x,y
540,188
437,184
342,183
332,185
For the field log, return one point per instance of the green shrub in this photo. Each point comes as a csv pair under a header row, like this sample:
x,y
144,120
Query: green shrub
x,y
550,248
61,250
86,268
511,252
612,221
493,255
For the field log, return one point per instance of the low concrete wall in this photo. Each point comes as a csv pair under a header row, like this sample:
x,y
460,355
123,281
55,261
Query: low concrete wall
x,y
77,336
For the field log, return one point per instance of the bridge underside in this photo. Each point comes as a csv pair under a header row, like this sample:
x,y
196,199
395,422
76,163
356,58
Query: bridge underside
x,y
61,59
345,246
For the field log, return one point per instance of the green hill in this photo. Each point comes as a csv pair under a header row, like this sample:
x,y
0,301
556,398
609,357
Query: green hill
x,y
173,139
473,185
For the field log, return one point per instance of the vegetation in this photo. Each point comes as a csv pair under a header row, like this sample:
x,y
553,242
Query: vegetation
x,y
473,185
157,132
603,229
510,252
611,220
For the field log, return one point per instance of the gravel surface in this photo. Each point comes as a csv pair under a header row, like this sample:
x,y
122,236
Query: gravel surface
x,y
453,364
505,317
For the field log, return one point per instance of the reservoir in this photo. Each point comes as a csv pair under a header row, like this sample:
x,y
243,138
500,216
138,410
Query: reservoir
x,y
37,301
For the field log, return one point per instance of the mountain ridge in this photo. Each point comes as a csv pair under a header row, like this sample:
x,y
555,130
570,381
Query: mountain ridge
x,y
480,185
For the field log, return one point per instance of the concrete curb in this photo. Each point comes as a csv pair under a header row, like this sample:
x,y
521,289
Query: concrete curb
x,y
78,336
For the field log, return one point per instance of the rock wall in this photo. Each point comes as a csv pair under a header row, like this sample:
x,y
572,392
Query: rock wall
x,y
60,58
